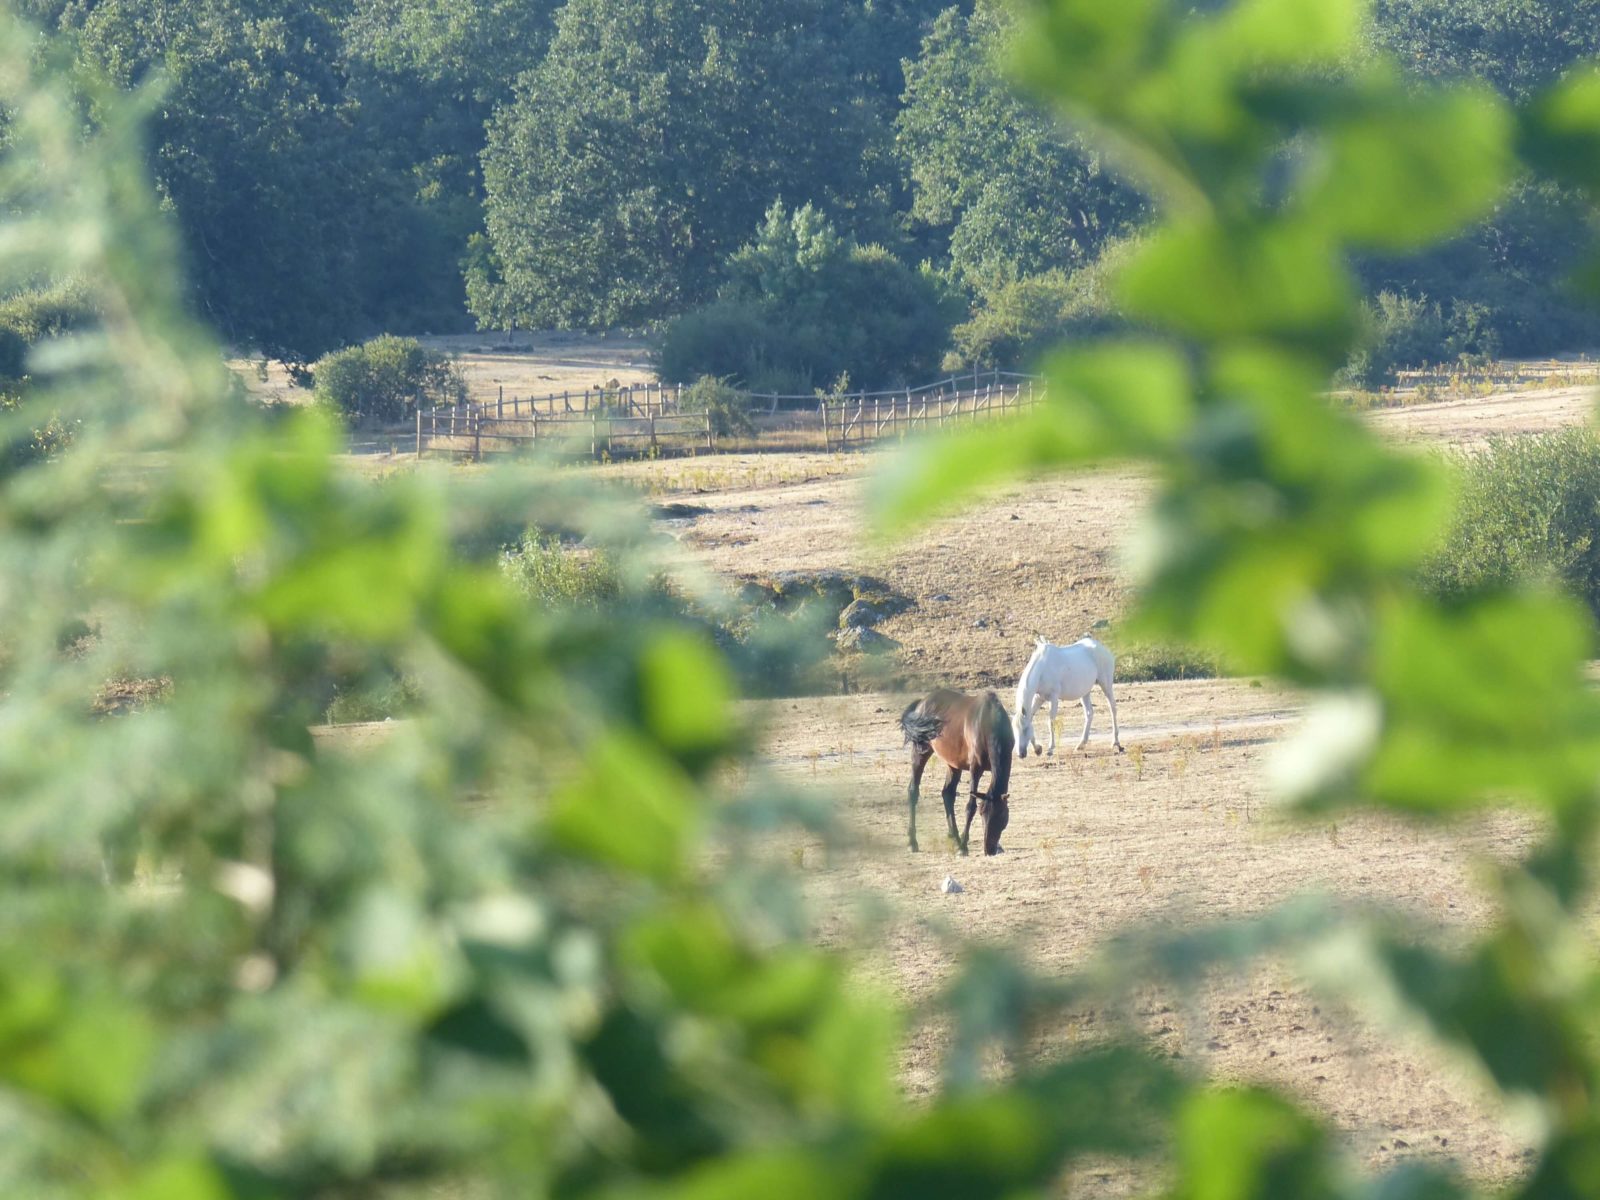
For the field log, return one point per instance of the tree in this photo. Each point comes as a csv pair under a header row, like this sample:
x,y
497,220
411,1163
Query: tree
x,y
256,151
1517,46
651,138
1006,189
1511,267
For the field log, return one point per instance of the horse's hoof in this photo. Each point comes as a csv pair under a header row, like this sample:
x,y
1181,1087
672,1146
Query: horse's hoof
x,y
913,847
1120,750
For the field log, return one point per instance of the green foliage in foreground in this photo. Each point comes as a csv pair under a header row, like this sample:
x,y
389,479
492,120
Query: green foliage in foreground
x,y
529,949
1529,510
1017,322
386,380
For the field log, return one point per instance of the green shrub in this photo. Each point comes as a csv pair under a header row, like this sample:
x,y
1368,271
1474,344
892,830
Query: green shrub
x,y
1020,320
723,332
390,696
38,313
728,406
386,380
1528,509
1412,331
554,575
804,306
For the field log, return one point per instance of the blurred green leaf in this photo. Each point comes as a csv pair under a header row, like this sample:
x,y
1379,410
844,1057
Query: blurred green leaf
x,y
1560,129
1406,169
687,693
1447,679
1279,279
1248,1144
631,808
1105,401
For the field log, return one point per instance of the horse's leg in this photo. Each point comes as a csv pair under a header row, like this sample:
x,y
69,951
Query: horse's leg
x,y
1088,716
919,760
972,808
1055,705
1033,711
952,783
1116,734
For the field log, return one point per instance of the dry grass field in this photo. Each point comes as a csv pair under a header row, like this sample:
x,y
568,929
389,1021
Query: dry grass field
x,y
1181,829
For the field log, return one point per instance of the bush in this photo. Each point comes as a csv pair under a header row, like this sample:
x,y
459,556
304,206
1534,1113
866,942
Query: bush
x,y
1501,284
386,380
728,406
553,575
1019,320
34,315
733,335
804,306
1529,508
1413,331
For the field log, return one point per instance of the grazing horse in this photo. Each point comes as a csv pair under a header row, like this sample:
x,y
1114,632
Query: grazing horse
x,y
1057,673
967,733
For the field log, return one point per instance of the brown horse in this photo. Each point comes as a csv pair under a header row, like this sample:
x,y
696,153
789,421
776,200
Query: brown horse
x,y
967,733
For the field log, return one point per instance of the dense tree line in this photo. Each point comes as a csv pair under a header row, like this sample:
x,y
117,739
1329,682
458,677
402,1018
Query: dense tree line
x,y
344,167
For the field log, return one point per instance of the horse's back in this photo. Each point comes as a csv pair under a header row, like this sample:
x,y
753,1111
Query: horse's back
x,y
1070,671
1105,664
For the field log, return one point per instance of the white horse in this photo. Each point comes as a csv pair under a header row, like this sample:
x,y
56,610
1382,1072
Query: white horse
x,y
1057,673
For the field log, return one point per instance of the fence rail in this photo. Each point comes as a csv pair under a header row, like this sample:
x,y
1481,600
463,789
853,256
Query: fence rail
x,y
1498,373
649,419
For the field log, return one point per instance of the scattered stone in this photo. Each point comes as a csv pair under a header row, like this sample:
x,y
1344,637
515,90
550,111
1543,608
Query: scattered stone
x,y
756,595
1014,517
1099,625
678,512
981,623
860,614
950,886
940,596
867,641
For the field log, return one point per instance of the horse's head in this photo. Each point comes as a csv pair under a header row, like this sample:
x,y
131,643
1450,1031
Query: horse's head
x,y
996,815
1022,727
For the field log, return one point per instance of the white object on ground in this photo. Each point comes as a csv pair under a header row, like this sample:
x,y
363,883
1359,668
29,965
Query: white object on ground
x,y
950,885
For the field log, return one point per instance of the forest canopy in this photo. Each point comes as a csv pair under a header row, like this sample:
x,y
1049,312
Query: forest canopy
x,y
347,168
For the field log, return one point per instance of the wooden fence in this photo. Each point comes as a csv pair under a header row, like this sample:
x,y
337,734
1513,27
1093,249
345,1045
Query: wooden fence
x,y
862,420
1551,372
467,430
648,419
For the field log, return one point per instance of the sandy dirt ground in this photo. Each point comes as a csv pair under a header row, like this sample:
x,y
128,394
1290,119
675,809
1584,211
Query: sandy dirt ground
x,y
1468,422
1180,830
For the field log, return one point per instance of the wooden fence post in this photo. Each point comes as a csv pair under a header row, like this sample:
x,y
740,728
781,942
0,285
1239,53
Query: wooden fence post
x,y
709,444
500,404
476,420
419,432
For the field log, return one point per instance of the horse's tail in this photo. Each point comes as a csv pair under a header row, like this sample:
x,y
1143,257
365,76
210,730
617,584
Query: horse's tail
x,y
920,728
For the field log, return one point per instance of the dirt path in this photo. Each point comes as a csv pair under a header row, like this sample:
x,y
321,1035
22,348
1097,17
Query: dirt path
x,y
1180,830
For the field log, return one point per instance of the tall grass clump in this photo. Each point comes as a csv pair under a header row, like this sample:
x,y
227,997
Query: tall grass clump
x,y
1528,509
551,574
